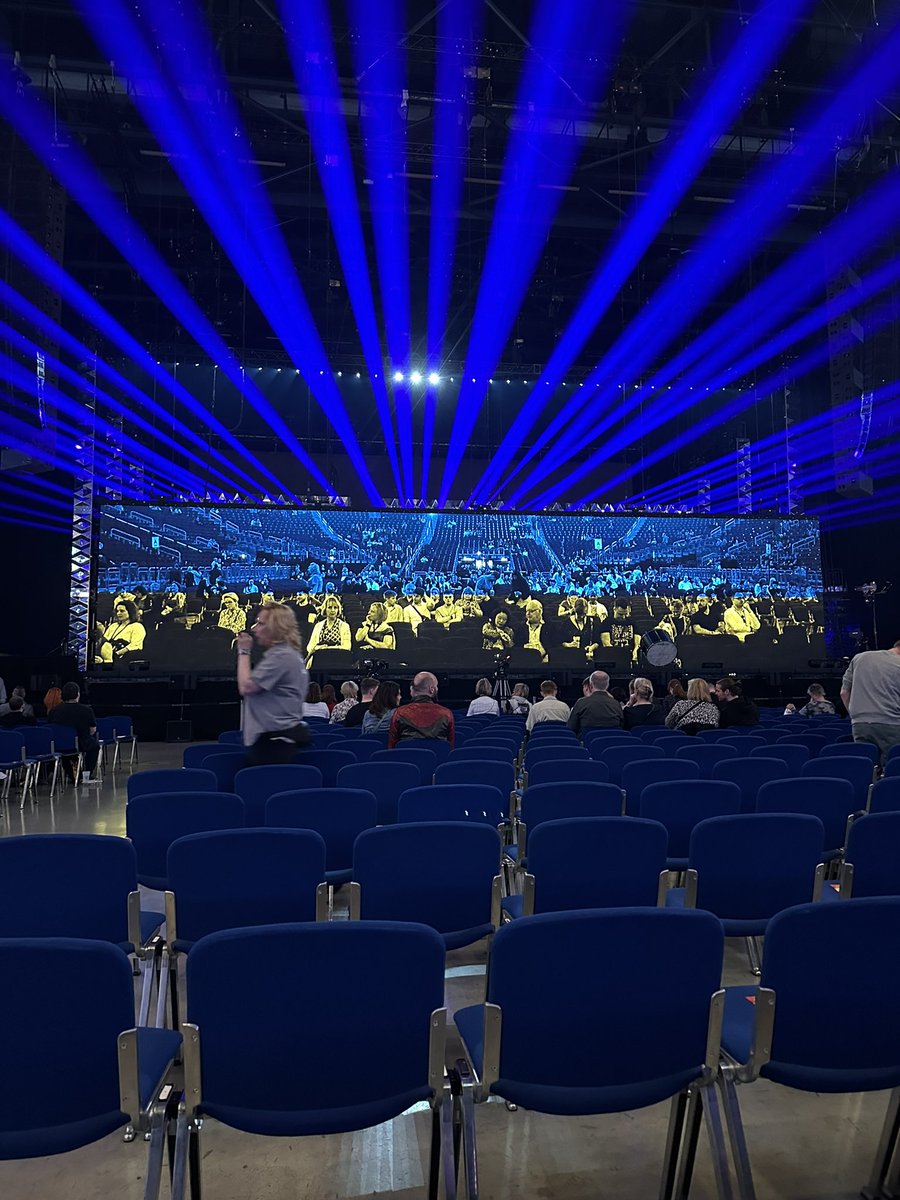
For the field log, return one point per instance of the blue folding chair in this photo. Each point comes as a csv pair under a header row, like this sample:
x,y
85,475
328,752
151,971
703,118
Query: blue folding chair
x,y
174,779
443,873
831,800
713,734
477,802
823,1019
438,748
626,866
232,737
568,771
12,759
475,751
386,779
563,1033
81,1068
39,752
792,756
124,735
892,768
617,758
329,762
377,997
598,746
885,795
663,737
814,742
255,785
496,774
852,750
681,806
423,758
750,774
747,868
615,732
548,802
194,756
706,756
638,775
154,820
743,743
236,878
855,770
339,815
225,767
871,865
364,747
554,755
551,729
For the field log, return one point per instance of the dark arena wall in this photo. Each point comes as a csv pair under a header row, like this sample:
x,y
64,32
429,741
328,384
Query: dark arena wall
x,y
458,591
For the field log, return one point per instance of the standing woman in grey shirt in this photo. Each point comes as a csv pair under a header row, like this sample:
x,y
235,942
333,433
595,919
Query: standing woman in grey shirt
x,y
274,690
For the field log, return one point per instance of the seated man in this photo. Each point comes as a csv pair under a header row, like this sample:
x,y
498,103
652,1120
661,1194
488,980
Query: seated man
x,y
15,714
423,717
734,707
79,717
548,708
817,706
597,709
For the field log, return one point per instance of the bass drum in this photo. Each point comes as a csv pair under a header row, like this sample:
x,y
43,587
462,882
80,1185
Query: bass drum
x,y
658,648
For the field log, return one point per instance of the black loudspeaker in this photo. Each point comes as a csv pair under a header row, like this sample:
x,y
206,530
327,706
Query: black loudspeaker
x,y
179,731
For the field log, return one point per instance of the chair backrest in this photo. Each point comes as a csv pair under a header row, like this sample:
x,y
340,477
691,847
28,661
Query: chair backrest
x,y
706,756
12,746
852,750
66,885
225,767
829,799
496,774
329,762
713,734
38,741
598,746
611,1039
663,737
792,756
238,877
565,771
753,865
638,775
554,753
231,737
892,768
477,751
65,740
833,1030
742,742
615,733
440,872
363,748
123,726
255,785
855,770
619,863
154,820
387,779
618,757
193,757
63,1056
873,850
338,814
885,795
423,758
551,729
814,742
549,802
106,731
680,806
375,984
174,779
750,774
475,802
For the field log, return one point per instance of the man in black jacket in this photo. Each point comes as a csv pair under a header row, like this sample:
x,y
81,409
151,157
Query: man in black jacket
x,y
597,709
79,717
734,707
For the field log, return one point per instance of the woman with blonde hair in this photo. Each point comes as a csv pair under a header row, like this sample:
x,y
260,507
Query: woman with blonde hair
x,y
696,712
519,704
350,692
484,702
274,690
641,708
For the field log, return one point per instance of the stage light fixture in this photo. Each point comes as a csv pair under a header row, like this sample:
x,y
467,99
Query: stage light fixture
x,y
416,377
398,377
434,378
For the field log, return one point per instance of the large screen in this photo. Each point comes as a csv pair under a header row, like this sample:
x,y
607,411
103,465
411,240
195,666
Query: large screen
x,y
455,590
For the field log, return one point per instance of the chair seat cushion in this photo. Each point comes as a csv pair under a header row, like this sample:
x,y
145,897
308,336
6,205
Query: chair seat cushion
x,y
315,1121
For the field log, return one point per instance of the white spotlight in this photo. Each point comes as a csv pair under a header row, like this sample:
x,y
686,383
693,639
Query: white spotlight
x,y
434,377
398,377
416,377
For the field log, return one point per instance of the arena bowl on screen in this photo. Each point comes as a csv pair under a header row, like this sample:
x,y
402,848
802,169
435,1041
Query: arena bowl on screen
x,y
458,591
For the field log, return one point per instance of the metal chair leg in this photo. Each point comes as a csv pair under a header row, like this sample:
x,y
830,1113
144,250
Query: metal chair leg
x,y
194,1159
674,1140
685,1167
753,954
885,1181
735,1128
466,1109
712,1114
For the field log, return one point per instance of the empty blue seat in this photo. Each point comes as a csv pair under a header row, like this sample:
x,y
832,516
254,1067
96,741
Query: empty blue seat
x,y
475,802
176,779
750,774
638,775
706,756
564,1033
497,774
852,750
855,770
339,815
871,865
387,779
232,737
443,873
617,758
792,756
225,766
255,785
812,741
885,795
831,800
193,756
424,761
569,771
681,806
548,802
154,820
235,878
329,762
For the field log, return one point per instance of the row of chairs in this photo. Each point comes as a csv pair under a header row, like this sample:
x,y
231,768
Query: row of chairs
x,y
586,1013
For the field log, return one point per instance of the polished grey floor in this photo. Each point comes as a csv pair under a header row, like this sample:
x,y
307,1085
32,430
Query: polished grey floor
x,y
802,1146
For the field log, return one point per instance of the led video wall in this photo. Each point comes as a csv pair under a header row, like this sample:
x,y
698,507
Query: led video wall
x,y
453,590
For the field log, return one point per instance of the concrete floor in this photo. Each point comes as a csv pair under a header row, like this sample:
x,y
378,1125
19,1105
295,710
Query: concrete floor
x,y
805,1147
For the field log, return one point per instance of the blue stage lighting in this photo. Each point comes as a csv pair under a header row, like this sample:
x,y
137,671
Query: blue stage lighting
x,y
416,377
398,377
434,378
